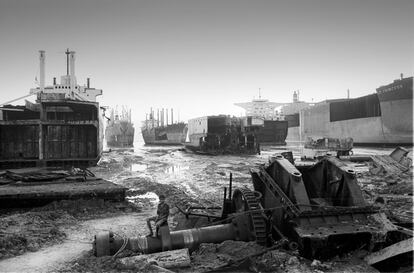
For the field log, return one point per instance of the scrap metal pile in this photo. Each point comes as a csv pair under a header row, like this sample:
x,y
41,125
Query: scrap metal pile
x,y
42,175
318,209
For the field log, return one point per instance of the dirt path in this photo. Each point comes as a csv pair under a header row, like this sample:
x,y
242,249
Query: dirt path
x,y
78,242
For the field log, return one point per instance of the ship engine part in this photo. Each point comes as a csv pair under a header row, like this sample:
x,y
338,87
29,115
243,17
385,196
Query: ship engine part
x,y
321,207
240,228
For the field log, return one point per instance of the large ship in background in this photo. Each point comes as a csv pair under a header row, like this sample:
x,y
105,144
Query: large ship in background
x,y
384,117
62,128
119,131
261,112
158,130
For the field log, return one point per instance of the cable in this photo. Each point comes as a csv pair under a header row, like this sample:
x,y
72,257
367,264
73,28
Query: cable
x,y
124,244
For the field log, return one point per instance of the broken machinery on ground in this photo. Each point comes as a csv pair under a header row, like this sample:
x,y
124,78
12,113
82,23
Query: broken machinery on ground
x,y
319,209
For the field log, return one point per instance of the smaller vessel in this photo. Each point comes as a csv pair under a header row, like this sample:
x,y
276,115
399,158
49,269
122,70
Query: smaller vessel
x,y
120,130
271,130
223,135
157,131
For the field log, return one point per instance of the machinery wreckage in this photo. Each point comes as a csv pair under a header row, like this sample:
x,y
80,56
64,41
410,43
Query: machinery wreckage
x,y
318,209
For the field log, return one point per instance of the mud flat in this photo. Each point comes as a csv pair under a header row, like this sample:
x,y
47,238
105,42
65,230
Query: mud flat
x,y
186,179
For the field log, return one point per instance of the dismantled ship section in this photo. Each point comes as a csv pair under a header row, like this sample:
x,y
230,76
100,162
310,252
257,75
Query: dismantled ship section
x,y
63,127
321,207
261,113
273,132
222,134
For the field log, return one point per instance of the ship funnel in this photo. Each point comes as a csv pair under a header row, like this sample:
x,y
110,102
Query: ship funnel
x,y
402,76
72,69
72,63
172,116
42,57
295,96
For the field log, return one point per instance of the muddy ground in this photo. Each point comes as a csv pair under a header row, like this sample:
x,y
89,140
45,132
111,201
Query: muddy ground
x,y
58,237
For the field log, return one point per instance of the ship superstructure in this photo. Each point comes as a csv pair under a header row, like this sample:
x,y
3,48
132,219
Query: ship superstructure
x,y
63,127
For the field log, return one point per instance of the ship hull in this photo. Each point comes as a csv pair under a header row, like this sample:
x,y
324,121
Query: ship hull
x,y
273,132
389,119
221,134
26,140
174,134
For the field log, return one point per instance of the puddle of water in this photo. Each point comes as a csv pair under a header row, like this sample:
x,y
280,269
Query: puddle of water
x,y
176,169
150,196
137,167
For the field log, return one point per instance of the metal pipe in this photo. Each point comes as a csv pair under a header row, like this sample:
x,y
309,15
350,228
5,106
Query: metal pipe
x,y
152,117
239,229
158,117
230,185
190,238
162,117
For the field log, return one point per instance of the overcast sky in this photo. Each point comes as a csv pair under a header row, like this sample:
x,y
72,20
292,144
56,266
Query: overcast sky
x,y
202,56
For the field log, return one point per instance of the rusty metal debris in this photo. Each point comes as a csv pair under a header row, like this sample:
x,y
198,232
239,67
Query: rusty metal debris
x,y
39,186
319,210
323,146
391,251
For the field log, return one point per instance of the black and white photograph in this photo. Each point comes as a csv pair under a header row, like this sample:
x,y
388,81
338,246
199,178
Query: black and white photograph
x,y
206,136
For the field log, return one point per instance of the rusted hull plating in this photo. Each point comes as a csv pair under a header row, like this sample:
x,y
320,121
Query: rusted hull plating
x,y
53,132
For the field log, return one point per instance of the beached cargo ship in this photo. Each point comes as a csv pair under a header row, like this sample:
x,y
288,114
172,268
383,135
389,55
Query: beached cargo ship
x,y
157,130
385,117
271,130
223,135
62,128
119,131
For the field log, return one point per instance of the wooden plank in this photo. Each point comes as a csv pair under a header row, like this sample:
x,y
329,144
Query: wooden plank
x,y
389,252
390,165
